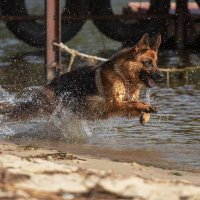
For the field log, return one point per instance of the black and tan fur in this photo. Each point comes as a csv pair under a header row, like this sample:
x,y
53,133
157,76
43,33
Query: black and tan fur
x,y
109,89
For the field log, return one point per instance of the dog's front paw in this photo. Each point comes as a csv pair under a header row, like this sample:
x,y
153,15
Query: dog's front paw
x,y
150,109
153,109
144,118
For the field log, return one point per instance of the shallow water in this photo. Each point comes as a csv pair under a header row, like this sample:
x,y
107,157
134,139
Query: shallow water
x,y
172,136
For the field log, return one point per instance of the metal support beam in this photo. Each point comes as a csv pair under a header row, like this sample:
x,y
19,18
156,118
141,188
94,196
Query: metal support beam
x,y
53,34
181,23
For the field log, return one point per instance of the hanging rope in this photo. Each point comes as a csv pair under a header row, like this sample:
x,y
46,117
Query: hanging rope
x,y
75,53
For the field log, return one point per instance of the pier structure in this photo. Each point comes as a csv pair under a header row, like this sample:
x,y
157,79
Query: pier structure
x,y
178,22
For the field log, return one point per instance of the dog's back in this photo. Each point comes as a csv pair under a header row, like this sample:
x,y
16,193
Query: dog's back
x,y
75,85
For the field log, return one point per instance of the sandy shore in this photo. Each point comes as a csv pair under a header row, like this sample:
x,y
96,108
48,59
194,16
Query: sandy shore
x,y
29,172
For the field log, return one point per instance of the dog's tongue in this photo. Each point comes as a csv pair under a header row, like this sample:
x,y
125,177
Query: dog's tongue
x,y
150,82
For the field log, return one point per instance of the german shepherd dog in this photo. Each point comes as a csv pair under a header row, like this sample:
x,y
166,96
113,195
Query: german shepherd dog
x,y
100,92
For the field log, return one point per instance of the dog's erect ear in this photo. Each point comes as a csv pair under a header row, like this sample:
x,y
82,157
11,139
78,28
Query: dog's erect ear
x,y
143,43
156,43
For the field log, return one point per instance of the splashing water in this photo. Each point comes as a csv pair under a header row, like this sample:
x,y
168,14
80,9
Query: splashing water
x,y
67,124
62,123
6,96
147,96
174,131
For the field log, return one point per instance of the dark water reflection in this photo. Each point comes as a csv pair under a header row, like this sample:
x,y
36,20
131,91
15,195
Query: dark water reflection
x,y
174,133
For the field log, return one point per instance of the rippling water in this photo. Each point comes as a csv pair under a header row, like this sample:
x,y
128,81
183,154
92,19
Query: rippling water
x,y
174,132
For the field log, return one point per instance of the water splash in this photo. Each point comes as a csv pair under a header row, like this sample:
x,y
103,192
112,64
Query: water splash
x,y
65,124
6,130
148,95
6,96
62,123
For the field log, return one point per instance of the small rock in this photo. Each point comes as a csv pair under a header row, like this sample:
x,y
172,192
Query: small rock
x,y
49,158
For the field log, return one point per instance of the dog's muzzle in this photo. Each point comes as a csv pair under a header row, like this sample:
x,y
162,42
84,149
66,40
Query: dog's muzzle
x,y
151,78
158,76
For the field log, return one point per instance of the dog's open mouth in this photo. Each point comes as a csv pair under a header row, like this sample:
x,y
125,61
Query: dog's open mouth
x,y
147,80
150,82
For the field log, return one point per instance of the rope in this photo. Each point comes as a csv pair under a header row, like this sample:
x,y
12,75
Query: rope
x,y
75,53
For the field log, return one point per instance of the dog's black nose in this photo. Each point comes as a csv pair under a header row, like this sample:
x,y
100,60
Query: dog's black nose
x,y
160,76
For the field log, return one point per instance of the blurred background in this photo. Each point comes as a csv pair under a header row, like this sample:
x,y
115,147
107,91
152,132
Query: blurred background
x,y
111,25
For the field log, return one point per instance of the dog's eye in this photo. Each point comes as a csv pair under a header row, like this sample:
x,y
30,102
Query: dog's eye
x,y
148,63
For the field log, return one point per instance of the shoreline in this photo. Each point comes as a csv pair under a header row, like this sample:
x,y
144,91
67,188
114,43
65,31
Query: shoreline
x,y
24,162
100,161
145,157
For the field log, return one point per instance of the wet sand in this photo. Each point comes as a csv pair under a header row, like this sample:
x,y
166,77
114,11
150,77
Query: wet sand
x,y
29,172
143,156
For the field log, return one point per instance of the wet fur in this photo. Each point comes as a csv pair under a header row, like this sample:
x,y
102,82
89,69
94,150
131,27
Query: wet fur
x,y
109,89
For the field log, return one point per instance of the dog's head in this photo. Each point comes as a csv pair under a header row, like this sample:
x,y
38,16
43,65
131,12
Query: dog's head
x,y
147,59
140,62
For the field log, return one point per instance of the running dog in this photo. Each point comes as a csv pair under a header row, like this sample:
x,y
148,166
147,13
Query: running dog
x,y
103,91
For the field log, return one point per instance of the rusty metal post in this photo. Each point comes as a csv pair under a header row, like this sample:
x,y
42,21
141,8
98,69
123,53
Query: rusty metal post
x,y
181,11
53,34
